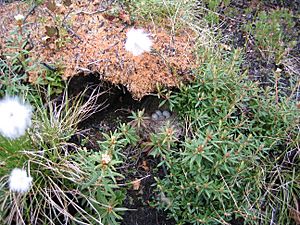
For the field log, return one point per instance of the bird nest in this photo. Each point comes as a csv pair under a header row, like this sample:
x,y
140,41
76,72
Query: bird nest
x,y
89,37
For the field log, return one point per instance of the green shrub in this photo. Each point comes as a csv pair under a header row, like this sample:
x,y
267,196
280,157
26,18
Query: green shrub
x,y
69,184
101,166
210,10
218,172
271,32
159,11
10,82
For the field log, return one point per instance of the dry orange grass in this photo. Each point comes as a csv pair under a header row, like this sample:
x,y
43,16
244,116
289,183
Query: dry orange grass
x,y
92,40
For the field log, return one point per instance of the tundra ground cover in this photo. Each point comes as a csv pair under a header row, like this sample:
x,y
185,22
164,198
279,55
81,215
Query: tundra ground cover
x,y
177,112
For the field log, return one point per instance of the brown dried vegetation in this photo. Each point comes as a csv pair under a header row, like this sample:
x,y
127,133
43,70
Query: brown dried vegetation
x,y
88,39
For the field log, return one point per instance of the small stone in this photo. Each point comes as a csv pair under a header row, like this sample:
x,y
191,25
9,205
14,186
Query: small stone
x,y
166,114
154,116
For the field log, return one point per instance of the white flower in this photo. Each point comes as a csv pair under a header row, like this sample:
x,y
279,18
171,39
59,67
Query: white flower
x,y
138,42
19,17
15,117
106,158
19,181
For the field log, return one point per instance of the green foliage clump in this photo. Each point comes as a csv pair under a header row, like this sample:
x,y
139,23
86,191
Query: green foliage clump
x,y
70,183
210,10
149,9
216,174
158,11
16,65
10,81
271,32
104,176
13,64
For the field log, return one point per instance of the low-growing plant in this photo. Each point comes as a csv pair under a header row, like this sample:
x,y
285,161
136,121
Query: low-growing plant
x,y
62,188
11,83
9,154
16,67
104,174
57,31
271,32
14,63
53,80
210,10
219,171
159,11
101,192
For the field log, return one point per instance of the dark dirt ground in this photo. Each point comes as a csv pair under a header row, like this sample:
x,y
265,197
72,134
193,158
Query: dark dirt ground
x,y
260,68
120,104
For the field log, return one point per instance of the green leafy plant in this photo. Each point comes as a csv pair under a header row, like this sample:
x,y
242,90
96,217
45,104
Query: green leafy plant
x,y
212,16
210,10
159,11
14,63
104,174
9,154
11,83
271,30
217,173
53,81
49,156
102,184
58,32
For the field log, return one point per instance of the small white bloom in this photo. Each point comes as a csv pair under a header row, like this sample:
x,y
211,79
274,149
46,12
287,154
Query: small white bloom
x,y
138,42
15,117
106,158
19,17
19,181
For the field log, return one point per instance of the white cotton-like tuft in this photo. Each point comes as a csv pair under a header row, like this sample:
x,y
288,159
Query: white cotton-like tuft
x,y
138,42
19,181
15,117
19,17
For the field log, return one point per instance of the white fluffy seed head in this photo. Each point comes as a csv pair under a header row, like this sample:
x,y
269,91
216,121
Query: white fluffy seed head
x,y
19,17
19,181
138,42
15,117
